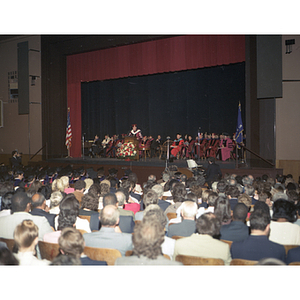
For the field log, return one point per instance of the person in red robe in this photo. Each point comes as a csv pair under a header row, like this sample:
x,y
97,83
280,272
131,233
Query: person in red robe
x,y
136,132
199,146
190,150
177,146
226,147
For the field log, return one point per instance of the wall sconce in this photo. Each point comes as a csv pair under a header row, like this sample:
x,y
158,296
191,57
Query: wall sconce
x,y
288,46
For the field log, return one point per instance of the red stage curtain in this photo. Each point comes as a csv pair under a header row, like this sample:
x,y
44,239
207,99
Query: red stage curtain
x,y
165,55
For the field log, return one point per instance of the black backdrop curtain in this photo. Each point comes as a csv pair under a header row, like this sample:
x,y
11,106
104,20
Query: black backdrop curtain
x,y
165,103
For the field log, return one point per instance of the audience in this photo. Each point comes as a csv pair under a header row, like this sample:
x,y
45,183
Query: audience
x,y
56,197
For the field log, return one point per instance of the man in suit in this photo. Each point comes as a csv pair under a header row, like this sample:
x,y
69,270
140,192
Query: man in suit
x,y
16,160
202,243
258,245
20,211
213,171
232,193
188,225
237,230
109,236
38,205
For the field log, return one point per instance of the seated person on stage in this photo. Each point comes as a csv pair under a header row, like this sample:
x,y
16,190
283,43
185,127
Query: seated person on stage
x,y
136,132
203,243
177,146
112,146
105,143
96,147
258,245
211,146
199,146
71,243
190,150
155,145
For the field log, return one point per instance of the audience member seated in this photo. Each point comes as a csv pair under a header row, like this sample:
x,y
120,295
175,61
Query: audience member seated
x,y
66,218
71,243
159,190
20,207
258,245
26,238
149,198
178,192
237,230
147,239
68,204
203,243
131,203
210,197
121,198
6,204
89,207
232,193
38,206
7,258
283,231
188,225
126,223
222,210
55,199
79,188
107,236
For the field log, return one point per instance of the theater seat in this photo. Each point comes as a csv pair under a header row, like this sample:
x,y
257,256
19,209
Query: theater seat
x,y
242,262
103,254
189,260
48,250
10,244
289,247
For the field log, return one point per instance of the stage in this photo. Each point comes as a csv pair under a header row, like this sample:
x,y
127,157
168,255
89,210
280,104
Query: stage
x,y
144,167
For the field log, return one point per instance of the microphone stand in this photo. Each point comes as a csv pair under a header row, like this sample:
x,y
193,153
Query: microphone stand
x,y
168,147
83,146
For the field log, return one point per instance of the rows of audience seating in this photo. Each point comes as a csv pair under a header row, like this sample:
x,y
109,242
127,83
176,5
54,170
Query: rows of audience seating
x,y
67,216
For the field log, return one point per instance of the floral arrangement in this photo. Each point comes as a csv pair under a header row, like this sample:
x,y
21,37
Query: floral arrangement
x,y
126,150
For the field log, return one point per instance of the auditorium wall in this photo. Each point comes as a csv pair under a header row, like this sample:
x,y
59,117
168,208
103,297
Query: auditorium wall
x,y
21,132
287,111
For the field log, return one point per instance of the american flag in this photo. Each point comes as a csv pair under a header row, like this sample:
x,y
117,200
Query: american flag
x,y
68,132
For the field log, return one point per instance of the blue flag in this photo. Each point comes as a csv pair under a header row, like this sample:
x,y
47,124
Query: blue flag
x,y
239,127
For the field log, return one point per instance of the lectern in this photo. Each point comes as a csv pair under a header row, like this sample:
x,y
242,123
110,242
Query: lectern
x,y
136,143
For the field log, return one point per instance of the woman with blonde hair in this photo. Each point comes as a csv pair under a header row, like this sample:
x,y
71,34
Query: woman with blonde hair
x,y
26,238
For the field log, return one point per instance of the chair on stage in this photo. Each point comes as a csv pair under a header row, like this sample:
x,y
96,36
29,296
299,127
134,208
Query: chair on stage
x,y
48,250
189,260
192,165
163,149
103,254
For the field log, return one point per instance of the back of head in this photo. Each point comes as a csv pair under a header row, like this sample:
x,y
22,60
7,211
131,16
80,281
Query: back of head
x,y
284,209
189,209
25,233
212,198
179,192
89,201
37,200
150,198
240,212
109,215
79,185
249,190
66,260
232,191
109,199
209,224
147,238
222,209
120,197
19,202
154,211
259,219
71,242
244,198
158,189
221,186
55,198
68,211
